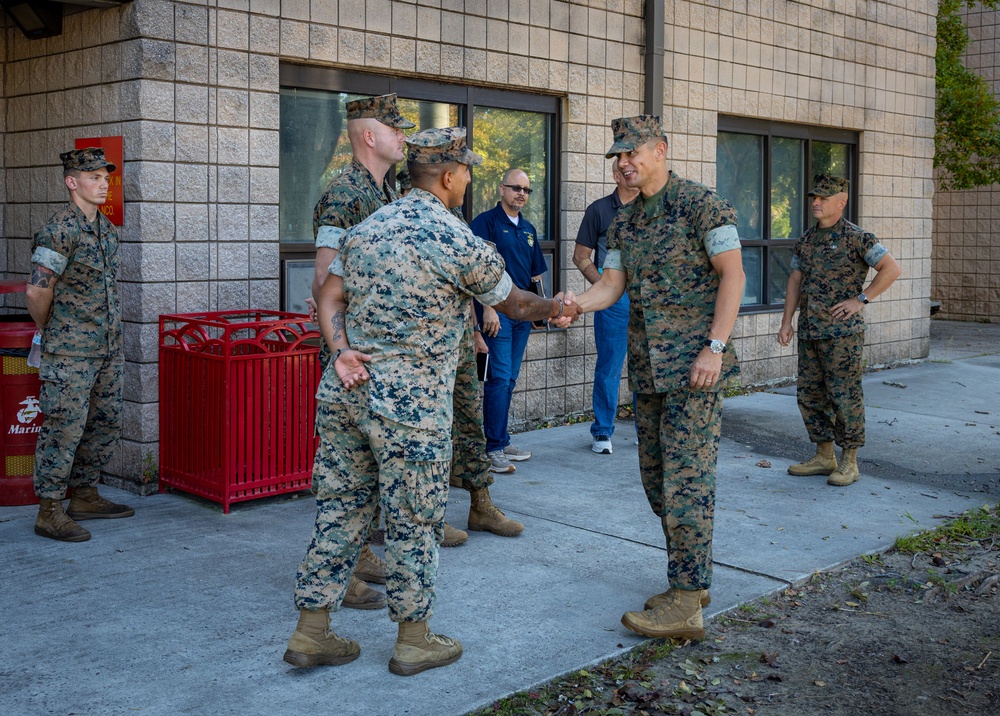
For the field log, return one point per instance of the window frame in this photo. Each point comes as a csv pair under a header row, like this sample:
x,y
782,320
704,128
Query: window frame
x,y
768,129
466,97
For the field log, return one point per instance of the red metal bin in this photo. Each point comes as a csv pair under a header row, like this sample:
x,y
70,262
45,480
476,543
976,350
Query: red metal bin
x,y
237,404
20,417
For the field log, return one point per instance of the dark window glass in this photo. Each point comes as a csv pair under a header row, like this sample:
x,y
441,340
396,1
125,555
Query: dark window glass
x,y
753,155
510,129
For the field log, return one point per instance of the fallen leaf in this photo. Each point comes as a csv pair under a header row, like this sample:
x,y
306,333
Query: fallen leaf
x,y
852,604
764,463
769,659
841,661
820,683
899,659
767,623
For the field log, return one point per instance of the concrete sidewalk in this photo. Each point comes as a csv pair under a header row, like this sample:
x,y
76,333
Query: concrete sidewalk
x,y
185,610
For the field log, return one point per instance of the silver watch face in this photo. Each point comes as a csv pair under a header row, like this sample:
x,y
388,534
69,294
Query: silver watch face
x,y
717,346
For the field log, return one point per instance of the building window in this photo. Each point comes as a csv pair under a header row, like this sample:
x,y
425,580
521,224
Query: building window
x,y
509,129
765,169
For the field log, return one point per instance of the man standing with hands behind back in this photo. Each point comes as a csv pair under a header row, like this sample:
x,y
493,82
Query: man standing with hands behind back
x,y
829,266
72,296
611,324
676,250
375,131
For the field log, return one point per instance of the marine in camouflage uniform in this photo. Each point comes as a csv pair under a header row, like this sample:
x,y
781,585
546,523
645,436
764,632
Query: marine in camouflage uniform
x,y
73,296
410,272
829,264
470,468
675,250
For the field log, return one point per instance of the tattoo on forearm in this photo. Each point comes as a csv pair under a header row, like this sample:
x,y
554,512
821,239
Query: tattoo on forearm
x,y
42,277
337,321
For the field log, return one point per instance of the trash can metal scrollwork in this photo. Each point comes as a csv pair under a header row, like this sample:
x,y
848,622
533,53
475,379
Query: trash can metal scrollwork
x,y
237,404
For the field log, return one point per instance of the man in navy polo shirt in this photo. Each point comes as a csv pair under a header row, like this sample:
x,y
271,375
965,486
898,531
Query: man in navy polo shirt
x,y
517,241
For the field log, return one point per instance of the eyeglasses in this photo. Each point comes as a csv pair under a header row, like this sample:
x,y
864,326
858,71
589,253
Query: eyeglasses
x,y
518,189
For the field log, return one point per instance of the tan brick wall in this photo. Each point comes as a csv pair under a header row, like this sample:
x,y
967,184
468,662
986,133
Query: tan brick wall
x,y
965,274
193,87
862,66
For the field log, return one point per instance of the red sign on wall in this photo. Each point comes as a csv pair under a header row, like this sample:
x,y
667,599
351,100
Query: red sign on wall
x,y
114,206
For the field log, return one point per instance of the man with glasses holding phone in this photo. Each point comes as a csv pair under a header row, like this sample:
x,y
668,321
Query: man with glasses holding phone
x,y
517,242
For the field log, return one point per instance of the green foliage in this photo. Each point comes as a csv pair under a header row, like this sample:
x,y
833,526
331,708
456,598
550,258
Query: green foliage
x,y
967,121
977,524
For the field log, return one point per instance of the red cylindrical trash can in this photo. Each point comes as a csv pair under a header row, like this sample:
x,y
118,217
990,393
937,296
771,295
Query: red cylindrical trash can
x,y
20,416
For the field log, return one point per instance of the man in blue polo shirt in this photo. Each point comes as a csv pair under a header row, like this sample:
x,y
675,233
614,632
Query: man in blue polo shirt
x,y
517,241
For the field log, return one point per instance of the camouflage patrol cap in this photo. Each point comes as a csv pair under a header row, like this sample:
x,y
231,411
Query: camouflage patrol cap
x,y
403,179
440,146
827,185
383,108
86,160
631,132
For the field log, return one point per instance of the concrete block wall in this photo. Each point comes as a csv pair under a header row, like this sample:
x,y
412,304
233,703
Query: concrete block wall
x,y
965,274
193,87
861,65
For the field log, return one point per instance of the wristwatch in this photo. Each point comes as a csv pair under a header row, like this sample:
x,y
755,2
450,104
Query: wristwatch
x,y
715,345
336,353
863,297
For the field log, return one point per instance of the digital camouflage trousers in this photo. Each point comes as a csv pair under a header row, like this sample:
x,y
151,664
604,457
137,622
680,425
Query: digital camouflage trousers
x,y
81,399
678,450
831,399
363,458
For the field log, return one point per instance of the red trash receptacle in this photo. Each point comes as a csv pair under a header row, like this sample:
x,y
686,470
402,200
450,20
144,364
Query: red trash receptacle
x,y
21,418
237,404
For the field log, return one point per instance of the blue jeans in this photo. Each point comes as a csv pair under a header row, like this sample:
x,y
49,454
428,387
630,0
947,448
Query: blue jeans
x,y
506,352
611,337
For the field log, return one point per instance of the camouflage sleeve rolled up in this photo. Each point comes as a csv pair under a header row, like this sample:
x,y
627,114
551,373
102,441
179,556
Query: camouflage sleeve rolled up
x,y
349,199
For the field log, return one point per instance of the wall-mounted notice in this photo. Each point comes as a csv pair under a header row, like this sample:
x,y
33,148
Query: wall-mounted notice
x,y
114,206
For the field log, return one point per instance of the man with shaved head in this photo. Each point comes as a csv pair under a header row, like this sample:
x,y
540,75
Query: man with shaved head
x,y
375,129
829,266
517,241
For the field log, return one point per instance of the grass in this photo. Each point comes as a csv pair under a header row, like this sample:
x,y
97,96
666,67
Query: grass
x,y
977,524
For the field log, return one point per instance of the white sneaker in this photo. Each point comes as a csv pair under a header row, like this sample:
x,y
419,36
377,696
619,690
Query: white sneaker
x,y
516,454
602,445
499,462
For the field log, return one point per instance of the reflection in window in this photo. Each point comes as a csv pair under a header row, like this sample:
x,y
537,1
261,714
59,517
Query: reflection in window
x,y
740,175
830,158
779,267
754,154
752,268
787,180
315,149
511,139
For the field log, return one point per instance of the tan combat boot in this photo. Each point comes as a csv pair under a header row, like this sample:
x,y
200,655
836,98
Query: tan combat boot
x,y
847,469
52,522
453,536
417,649
664,597
680,618
360,596
313,643
823,462
484,516
86,504
370,567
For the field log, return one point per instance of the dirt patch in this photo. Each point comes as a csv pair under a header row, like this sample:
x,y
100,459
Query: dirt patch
x,y
898,634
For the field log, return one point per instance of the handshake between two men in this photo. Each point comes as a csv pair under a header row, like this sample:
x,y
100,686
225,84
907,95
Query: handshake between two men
x,y
561,310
